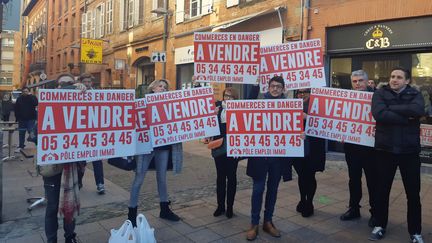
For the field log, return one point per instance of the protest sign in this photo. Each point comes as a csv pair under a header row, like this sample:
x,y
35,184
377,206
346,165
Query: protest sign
x,y
265,128
425,135
181,115
142,138
227,57
300,63
341,115
79,126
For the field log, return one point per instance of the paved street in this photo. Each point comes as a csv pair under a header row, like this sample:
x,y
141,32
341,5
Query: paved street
x,y
193,196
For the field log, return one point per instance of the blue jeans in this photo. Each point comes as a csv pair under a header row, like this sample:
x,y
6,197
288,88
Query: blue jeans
x,y
143,162
52,193
98,172
273,177
24,126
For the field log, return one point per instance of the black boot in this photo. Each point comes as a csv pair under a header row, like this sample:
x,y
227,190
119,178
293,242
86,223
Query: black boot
x,y
308,209
229,212
132,214
219,211
352,213
166,212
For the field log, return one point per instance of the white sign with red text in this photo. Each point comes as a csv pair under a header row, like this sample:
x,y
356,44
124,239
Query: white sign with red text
x,y
425,135
300,63
227,57
80,126
265,128
142,138
341,115
182,115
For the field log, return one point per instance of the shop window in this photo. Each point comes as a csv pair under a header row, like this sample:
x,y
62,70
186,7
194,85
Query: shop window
x,y
341,72
421,72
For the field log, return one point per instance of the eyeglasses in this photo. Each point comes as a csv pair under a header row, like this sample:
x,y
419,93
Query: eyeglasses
x,y
276,86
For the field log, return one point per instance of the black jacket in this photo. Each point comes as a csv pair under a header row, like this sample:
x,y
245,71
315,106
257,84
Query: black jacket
x,y
25,108
397,119
257,167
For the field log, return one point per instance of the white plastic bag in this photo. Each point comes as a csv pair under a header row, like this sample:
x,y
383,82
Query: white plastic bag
x,y
144,232
125,234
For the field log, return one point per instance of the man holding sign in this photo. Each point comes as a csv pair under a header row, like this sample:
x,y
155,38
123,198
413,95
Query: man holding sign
x,y
397,108
359,158
266,168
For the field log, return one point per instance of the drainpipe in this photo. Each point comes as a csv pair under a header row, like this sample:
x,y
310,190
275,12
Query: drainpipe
x,y
305,19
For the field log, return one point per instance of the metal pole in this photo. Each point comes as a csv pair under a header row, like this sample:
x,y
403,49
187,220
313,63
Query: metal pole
x,y
1,136
165,37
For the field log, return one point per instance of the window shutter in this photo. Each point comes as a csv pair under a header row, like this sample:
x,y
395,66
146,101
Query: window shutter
x,y
93,29
122,15
180,11
230,3
207,7
102,20
136,12
83,26
154,6
89,24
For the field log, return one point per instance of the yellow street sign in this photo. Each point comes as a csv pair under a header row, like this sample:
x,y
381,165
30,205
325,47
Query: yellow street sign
x,y
91,51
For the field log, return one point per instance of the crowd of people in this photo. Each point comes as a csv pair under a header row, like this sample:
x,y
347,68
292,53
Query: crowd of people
x,y
397,108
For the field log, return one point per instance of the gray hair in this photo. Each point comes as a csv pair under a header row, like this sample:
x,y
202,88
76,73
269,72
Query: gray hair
x,y
360,73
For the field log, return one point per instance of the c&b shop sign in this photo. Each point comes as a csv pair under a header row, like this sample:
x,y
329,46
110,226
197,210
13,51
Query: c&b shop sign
x,y
386,35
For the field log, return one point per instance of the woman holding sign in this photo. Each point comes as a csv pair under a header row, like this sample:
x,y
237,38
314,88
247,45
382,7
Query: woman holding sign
x,y
161,156
307,166
226,167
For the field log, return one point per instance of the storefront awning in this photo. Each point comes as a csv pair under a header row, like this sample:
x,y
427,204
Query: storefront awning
x,y
230,23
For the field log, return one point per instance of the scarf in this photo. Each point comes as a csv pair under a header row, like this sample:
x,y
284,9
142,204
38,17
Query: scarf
x,y
69,196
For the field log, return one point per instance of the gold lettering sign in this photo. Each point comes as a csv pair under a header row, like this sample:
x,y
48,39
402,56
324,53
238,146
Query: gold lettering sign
x,y
379,39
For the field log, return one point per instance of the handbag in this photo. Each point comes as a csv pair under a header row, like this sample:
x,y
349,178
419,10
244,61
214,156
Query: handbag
x,y
122,163
144,233
47,170
125,234
215,143
220,150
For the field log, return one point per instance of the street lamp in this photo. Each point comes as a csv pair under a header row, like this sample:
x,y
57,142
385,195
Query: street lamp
x,y
165,12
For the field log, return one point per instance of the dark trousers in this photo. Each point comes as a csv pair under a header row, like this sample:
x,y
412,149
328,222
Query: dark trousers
x,y
52,193
226,180
98,172
409,167
5,117
273,177
24,126
359,159
306,180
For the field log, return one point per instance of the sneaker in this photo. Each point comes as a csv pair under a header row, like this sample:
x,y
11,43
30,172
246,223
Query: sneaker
x,y
377,233
18,150
417,238
100,189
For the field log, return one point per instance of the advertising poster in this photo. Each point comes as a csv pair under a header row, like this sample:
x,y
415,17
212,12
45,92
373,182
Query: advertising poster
x,y
300,63
426,135
227,57
341,115
80,126
91,51
265,128
142,138
182,115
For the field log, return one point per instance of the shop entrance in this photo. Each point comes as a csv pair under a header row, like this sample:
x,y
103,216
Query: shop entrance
x,y
145,74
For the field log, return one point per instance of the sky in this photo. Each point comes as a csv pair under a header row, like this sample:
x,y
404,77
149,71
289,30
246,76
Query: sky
x,y
11,15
